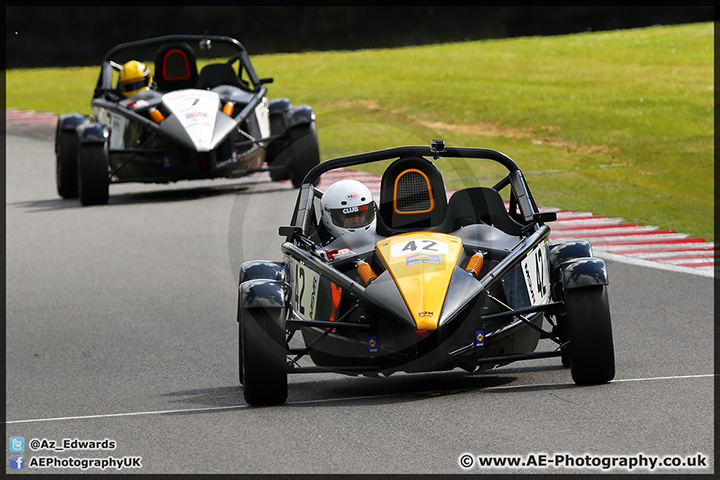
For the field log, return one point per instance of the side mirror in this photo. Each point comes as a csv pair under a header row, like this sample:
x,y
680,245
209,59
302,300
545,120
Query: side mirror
x,y
545,217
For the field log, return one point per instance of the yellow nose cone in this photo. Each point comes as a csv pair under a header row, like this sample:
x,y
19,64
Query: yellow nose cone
x,y
421,263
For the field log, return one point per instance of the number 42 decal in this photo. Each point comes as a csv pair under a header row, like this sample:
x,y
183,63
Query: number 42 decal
x,y
418,245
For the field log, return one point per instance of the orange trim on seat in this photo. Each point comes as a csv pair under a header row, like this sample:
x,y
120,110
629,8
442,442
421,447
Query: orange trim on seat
x,y
430,192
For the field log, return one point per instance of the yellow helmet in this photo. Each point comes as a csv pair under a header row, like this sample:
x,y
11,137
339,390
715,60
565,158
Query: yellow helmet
x,y
134,77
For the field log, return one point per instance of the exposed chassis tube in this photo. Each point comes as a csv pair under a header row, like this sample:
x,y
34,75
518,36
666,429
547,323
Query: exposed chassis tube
x,y
501,269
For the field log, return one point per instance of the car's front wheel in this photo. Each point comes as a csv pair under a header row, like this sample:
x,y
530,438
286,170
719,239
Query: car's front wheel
x,y
304,151
262,362
300,152
240,354
66,176
93,177
66,154
590,351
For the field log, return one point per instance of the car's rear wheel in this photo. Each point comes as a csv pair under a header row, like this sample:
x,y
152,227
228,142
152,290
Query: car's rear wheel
x,y
93,179
590,351
263,355
66,163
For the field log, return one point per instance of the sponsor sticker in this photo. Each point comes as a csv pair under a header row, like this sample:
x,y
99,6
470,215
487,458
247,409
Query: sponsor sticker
x,y
422,258
139,104
480,338
372,344
360,208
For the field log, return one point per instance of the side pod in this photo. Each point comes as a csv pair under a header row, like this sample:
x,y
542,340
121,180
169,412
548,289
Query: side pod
x,y
583,272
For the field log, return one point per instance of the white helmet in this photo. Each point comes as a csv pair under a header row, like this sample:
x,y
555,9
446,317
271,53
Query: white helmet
x,y
348,206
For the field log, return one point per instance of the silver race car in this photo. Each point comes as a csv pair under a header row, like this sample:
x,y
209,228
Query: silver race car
x,y
183,122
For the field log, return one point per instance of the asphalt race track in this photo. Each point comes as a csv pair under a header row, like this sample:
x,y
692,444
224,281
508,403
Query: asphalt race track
x,y
121,326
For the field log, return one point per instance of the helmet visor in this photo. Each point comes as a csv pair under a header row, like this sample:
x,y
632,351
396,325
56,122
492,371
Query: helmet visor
x,y
353,217
132,86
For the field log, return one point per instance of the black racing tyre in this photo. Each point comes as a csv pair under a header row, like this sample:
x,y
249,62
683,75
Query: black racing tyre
x,y
93,179
240,336
563,337
305,151
280,171
591,352
565,360
240,352
263,355
66,163
301,153
274,151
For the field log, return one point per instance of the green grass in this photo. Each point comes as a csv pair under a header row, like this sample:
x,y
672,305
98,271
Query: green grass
x,y
618,123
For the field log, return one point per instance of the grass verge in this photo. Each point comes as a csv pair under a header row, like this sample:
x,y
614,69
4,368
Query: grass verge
x,y
619,123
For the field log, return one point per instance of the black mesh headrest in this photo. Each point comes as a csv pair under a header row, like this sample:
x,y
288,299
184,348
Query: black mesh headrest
x,y
175,67
412,195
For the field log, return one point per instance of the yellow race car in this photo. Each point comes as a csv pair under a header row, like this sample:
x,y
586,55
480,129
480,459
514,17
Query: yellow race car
x,y
468,282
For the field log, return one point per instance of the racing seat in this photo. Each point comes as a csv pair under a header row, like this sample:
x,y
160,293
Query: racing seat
x,y
412,197
216,74
479,205
175,67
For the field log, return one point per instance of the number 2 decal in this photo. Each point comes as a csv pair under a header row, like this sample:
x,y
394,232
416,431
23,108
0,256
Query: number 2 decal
x,y
300,290
306,291
537,277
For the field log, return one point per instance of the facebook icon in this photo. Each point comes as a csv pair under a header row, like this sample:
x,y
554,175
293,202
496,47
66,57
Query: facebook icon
x,y
17,462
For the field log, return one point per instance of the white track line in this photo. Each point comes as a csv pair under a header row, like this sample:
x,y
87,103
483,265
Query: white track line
x,y
345,399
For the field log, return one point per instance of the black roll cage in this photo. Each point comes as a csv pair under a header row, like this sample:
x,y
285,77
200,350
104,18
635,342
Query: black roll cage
x,y
520,197
299,247
104,83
